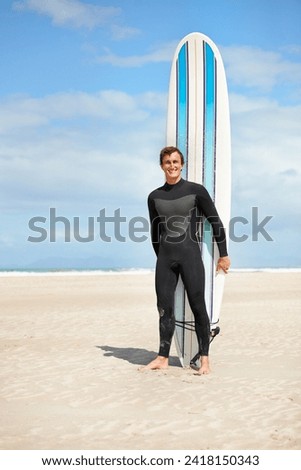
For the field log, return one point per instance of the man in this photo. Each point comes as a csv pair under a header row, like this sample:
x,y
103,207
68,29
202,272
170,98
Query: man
x,y
174,210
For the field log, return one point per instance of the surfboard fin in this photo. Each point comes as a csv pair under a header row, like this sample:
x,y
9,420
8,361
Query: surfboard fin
x,y
214,332
194,360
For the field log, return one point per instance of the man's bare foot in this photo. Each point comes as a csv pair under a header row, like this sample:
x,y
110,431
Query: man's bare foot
x,y
160,362
204,369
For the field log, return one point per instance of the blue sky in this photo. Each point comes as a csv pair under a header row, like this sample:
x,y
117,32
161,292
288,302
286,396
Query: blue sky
x,y
83,99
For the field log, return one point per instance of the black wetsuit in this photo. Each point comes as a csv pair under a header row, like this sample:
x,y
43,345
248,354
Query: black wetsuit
x,y
175,212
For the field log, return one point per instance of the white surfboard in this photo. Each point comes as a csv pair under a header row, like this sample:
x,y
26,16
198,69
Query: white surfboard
x,y
198,124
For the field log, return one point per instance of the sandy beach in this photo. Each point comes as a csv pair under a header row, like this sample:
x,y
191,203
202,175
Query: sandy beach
x,y
71,346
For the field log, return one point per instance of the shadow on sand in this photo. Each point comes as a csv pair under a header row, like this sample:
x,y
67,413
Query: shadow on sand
x,y
136,356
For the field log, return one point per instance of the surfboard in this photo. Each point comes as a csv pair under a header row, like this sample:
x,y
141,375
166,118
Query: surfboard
x,y
198,124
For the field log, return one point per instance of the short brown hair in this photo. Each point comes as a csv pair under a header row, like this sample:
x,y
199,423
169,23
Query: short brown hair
x,y
168,151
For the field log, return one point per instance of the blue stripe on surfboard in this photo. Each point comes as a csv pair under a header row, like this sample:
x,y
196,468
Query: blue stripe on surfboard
x,y
209,164
209,135
182,102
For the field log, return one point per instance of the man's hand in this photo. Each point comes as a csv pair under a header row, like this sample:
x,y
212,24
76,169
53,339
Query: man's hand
x,y
223,264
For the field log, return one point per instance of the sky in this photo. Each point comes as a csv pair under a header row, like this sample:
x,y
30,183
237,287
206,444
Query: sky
x,y
83,100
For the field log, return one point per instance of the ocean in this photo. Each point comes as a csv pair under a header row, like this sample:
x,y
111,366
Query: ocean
x,y
124,271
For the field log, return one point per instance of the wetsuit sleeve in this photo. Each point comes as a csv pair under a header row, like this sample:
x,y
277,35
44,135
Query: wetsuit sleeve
x,y
154,225
206,206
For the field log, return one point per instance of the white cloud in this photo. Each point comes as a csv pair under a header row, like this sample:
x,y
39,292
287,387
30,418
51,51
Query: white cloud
x,y
123,32
266,137
243,104
293,49
107,105
253,67
80,148
72,13
266,144
164,53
